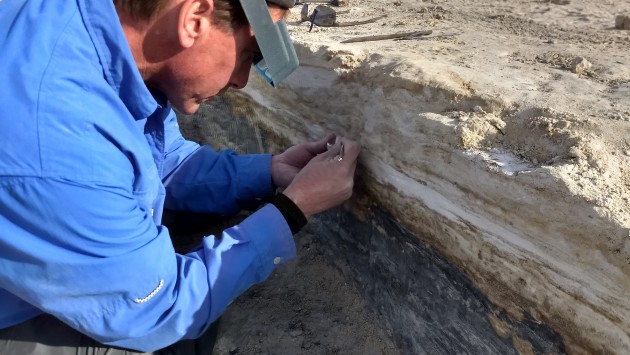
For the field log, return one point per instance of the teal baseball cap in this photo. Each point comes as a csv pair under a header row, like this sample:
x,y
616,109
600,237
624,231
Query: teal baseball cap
x,y
277,57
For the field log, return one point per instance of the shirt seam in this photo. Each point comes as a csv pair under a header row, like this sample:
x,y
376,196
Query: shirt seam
x,y
99,50
53,54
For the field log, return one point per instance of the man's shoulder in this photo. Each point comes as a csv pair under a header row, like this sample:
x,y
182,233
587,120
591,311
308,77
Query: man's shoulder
x,y
62,115
39,40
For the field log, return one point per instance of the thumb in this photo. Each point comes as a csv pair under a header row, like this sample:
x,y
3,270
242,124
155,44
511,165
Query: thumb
x,y
320,146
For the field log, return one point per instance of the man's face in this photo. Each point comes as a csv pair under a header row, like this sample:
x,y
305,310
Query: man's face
x,y
217,61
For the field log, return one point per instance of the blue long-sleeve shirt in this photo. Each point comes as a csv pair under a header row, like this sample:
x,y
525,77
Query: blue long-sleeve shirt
x,y
88,160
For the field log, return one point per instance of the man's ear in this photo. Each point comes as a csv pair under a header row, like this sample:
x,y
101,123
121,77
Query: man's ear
x,y
194,20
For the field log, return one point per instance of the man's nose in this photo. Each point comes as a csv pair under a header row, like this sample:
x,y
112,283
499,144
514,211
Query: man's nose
x,y
240,77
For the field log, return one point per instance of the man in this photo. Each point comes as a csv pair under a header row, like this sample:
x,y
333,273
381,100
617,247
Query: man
x,y
90,154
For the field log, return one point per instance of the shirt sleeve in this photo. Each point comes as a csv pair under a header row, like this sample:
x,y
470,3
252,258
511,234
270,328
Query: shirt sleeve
x,y
88,255
199,179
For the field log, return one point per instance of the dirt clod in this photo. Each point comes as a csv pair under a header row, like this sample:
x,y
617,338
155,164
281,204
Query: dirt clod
x,y
622,22
580,66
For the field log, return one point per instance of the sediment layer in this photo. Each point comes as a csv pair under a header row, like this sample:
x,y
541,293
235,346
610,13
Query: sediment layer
x,y
528,199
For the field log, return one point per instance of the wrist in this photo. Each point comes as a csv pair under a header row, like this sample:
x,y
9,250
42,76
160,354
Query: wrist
x,y
291,212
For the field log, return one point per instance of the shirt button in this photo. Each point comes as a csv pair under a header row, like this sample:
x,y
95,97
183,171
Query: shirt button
x,y
277,260
152,212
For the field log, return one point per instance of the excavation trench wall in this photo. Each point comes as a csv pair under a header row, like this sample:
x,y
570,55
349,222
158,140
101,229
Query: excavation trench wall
x,y
417,298
478,179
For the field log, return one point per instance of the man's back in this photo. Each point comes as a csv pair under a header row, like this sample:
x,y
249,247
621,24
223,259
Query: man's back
x,y
69,140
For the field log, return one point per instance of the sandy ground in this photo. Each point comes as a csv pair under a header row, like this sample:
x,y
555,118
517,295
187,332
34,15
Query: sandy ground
x,y
512,56
502,136
305,307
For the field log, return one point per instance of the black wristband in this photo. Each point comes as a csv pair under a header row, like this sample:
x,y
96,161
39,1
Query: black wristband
x,y
290,211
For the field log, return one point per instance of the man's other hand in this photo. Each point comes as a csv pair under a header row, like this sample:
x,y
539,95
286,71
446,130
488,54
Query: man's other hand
x,y
327,179
285,166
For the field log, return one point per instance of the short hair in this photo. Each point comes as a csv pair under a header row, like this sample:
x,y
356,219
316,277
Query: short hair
x,y
228,14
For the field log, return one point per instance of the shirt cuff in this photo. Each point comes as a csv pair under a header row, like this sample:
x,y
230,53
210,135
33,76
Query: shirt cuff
x,y
253,172
275,247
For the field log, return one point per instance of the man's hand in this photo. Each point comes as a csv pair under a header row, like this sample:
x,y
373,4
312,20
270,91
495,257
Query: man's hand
x,y
285,166
327,179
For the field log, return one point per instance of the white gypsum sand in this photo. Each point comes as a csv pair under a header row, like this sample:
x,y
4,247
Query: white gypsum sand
x,y
490,138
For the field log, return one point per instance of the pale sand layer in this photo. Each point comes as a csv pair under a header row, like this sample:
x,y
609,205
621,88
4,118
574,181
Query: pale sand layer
x,y
485,140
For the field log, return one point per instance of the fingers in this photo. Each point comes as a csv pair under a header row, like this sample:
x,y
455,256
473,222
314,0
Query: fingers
x,y
345,149
334,148
327,180
350,149
320,146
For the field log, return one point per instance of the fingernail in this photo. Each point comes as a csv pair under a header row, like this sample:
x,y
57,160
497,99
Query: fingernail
x,y
331,142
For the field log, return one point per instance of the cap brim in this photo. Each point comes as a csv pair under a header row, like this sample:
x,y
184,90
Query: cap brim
x,y
273,40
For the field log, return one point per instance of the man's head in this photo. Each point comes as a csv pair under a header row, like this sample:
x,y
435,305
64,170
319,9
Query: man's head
x,y
227,14
192,50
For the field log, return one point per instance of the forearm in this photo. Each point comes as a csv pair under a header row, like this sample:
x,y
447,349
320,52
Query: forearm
x,y
108,271
221,183
199,179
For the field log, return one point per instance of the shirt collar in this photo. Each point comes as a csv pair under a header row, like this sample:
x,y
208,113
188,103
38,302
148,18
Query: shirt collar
x,y
119,68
